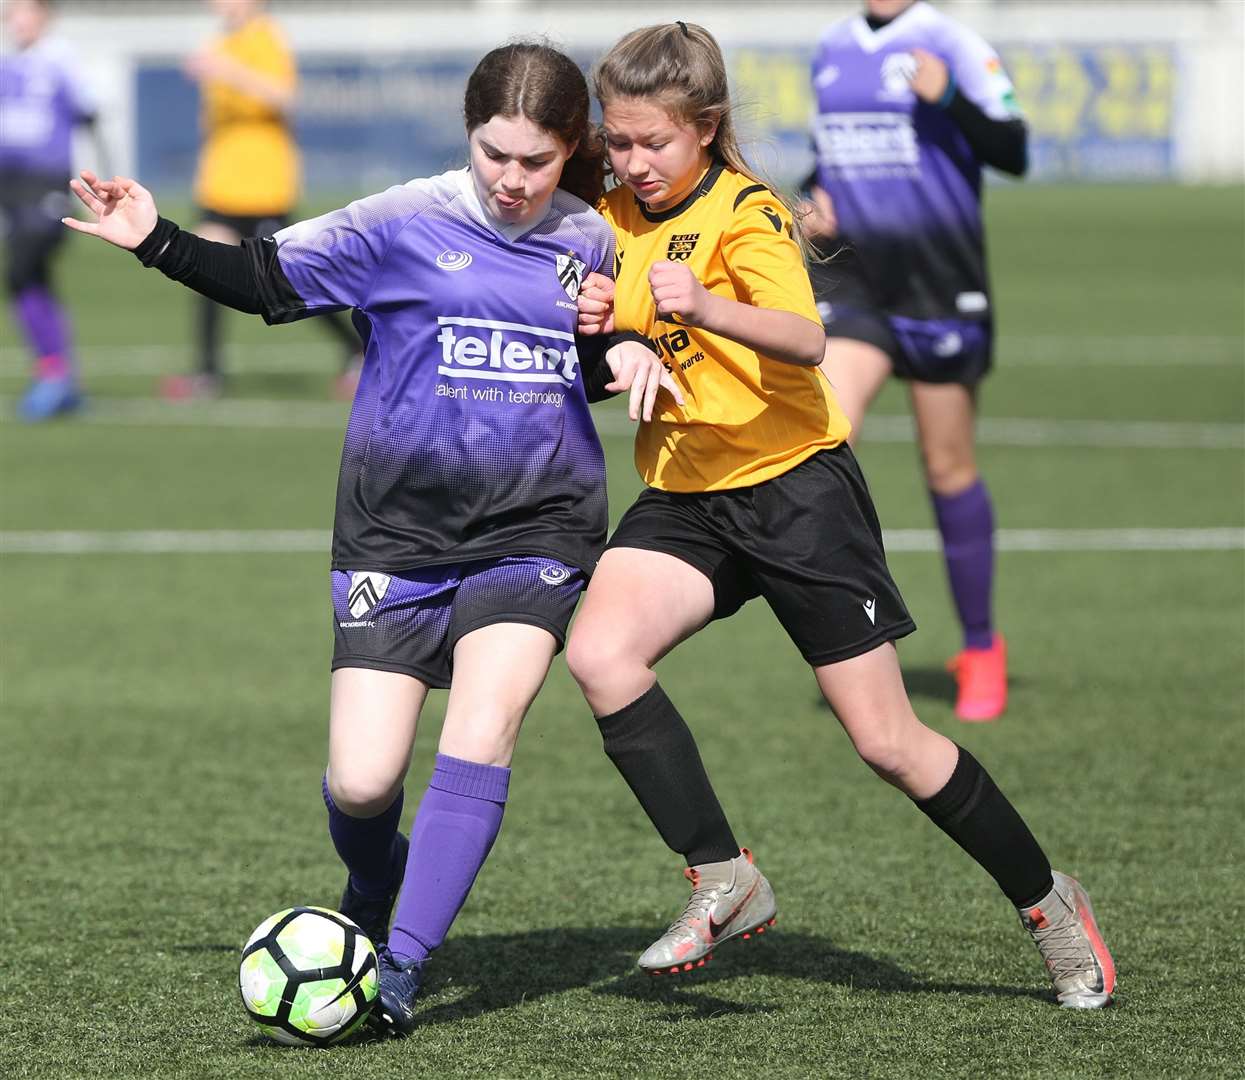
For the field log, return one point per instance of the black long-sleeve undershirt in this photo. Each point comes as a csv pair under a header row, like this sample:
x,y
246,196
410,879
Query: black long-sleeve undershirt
x,y
221,272
1004,144
228,274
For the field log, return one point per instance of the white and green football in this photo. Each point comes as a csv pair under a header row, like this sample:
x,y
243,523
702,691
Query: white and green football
x,y
308,976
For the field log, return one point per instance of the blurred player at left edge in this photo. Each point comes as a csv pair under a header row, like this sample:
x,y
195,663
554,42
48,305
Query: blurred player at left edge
x,y
42,99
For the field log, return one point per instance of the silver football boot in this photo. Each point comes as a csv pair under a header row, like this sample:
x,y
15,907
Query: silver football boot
x,y
729,899
1063,928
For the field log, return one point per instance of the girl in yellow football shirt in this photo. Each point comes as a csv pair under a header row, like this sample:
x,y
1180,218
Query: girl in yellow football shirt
x,y
248,175
753,491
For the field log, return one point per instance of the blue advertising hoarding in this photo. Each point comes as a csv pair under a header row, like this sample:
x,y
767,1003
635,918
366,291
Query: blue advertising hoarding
x,y
1095,113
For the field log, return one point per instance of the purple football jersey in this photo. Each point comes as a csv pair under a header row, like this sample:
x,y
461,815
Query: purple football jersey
x,y
470,435
42,98
905,183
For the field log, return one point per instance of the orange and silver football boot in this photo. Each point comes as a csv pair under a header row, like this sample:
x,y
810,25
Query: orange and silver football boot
x,y
1063,928
729,899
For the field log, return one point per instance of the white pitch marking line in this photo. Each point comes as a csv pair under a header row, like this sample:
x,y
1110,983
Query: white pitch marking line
x,y
1116,540
242,412
1020,350
154,360
1134,434
991,431
166,542
296,541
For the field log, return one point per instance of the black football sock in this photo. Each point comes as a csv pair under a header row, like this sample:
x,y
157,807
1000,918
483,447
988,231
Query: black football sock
x,y
976,815
209,337
651,746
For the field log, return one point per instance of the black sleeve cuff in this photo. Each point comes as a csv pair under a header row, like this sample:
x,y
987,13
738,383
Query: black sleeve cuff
x,y
157,243
596,372
620,336
217,271
593,369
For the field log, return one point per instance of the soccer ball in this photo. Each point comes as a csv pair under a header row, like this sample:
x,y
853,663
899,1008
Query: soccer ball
x,y
308,976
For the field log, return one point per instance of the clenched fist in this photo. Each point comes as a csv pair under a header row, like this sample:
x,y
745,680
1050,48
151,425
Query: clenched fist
x,y
677,291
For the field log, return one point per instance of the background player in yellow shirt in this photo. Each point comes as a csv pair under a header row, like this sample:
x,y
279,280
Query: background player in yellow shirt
x,y
754,492
248,175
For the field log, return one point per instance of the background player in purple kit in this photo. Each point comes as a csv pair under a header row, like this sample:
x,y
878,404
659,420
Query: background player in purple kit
x,y
910,106
42,100
471,500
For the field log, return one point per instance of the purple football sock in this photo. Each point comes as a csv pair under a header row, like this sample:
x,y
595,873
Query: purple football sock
x,y
46,328
365,845
966,522
454,831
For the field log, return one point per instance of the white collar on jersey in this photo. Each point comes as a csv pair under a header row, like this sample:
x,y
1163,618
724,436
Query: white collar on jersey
x,y
872,40
472,199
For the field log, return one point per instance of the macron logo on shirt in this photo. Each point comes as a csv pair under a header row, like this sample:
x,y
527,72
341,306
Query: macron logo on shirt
x,y
505,352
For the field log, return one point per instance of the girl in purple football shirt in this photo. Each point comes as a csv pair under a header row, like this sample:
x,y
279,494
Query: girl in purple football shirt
x,y
471,499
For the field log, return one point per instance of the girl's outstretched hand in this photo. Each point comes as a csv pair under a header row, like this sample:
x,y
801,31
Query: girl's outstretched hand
x,y
639,370
124,210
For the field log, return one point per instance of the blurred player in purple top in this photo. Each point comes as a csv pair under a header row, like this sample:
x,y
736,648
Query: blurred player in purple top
x,y
910,106
471,499
42,100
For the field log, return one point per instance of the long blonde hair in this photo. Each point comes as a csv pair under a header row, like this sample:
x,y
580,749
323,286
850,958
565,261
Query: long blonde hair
x,y
680,66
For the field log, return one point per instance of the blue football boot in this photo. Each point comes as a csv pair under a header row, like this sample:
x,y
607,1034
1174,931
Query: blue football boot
x,y
47,398
394,1011
372,915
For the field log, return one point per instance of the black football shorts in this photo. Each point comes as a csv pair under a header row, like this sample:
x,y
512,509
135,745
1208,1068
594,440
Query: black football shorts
x,y
807,541
246,225
31,208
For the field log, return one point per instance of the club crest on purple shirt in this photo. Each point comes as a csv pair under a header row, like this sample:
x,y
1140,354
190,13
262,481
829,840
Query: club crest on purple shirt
x,y
897,71
570,273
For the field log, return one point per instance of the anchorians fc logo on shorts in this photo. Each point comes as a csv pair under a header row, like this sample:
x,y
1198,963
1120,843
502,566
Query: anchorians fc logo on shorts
x,y
367,589
570,273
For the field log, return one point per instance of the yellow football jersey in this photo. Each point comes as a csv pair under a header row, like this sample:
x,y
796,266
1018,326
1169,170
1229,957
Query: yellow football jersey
x,y
249,163
747,417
